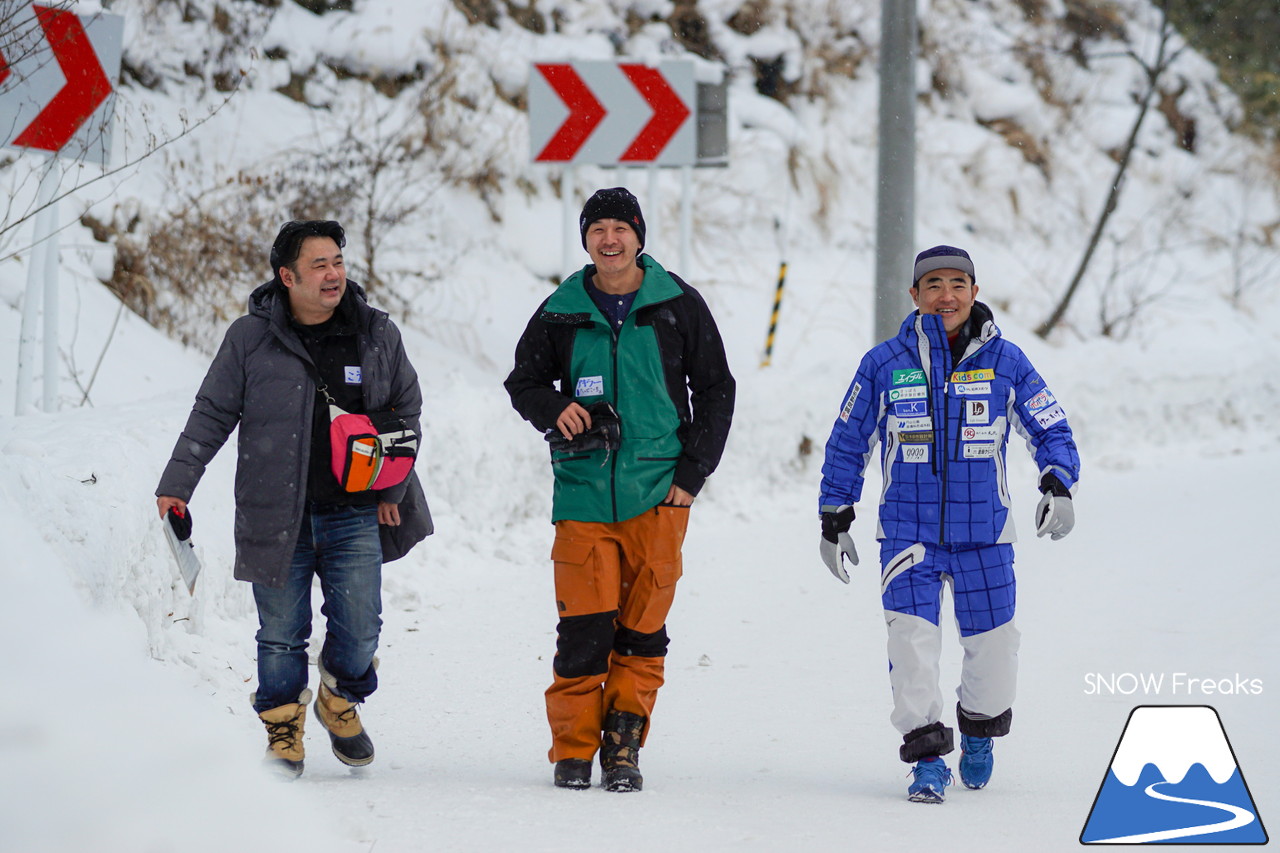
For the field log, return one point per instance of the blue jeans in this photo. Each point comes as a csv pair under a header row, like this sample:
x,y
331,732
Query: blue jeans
x,y
340,545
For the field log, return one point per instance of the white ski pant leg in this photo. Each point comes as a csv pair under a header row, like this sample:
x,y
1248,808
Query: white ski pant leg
x,y
989,673
915,646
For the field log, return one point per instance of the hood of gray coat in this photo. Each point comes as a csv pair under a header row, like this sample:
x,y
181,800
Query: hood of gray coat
x,y
272,296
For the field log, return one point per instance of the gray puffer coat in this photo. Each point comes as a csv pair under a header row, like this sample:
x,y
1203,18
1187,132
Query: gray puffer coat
x,y
260,381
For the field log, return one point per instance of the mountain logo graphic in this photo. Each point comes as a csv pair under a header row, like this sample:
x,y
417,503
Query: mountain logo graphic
x,y
1173,779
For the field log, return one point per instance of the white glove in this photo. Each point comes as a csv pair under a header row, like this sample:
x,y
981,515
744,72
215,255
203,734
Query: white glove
x,y
1055,515
836,543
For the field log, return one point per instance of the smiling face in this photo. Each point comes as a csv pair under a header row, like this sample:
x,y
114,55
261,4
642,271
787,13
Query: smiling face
x,y
948,293
316,280
613,246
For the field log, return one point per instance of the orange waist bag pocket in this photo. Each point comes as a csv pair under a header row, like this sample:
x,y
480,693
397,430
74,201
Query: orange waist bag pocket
x,y
370,451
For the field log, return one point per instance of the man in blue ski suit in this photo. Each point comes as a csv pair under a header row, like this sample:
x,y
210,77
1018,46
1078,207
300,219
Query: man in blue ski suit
x,y
940,398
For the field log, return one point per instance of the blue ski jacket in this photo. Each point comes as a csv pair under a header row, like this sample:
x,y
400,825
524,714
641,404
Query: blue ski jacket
x,y
942,429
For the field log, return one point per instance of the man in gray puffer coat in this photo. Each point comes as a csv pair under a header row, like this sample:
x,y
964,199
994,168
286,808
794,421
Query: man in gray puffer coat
x,y
307,326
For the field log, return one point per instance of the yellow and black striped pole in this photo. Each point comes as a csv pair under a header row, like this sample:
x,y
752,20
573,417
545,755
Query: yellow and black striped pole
x,y
773,320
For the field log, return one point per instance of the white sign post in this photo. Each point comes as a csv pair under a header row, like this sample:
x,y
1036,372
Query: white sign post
x,y
56,96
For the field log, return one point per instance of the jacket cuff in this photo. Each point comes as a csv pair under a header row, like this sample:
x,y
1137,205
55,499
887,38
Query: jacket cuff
x,y
1055,481
688,477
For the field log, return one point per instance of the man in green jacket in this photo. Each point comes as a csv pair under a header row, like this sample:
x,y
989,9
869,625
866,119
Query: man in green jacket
x,y
637,424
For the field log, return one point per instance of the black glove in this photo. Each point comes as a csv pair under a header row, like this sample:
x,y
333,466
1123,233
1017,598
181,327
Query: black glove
x,y
605,432
181,524
836,542
1055,513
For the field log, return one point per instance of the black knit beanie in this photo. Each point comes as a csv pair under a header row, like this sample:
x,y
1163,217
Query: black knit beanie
x,y
614,203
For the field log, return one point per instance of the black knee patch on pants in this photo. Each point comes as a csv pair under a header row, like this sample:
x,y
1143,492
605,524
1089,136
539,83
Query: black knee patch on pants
x,y
628,642
997,726
583,644
926,741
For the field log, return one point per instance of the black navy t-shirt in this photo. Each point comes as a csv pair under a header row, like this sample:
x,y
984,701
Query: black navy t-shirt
x,y
613,306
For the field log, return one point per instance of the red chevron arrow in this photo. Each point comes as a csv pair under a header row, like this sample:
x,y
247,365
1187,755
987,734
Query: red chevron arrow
x,y
4,69
585,113
86,88
669,112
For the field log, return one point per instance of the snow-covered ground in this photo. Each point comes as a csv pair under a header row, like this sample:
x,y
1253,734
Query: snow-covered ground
x,y
127,725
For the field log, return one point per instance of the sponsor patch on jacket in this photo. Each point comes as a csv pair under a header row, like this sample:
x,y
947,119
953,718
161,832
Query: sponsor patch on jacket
x,y
972,388
589,386
914,376
980,433
1043,400
915,424
917,437
1051,416
911,409
977,412
351,374
979,451
910,392
848,404
915,452
985,374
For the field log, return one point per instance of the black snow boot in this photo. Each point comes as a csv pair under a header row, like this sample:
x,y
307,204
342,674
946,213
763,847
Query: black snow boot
x,y
573,773
620,752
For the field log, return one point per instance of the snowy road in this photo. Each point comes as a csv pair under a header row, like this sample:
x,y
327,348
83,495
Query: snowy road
x,y
772,731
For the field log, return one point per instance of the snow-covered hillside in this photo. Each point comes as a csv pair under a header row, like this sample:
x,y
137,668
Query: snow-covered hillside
x,y
134,731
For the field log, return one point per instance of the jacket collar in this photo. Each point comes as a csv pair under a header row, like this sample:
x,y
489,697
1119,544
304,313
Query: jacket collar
x,y
982,327
270,301
571,296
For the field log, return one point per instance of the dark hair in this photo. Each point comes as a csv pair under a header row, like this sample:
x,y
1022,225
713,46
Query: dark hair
x,y
288,244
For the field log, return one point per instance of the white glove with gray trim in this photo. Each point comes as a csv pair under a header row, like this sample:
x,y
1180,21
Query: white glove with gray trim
x,y
836,542
1055,514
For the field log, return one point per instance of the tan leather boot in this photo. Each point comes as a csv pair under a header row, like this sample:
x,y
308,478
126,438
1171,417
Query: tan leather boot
x,y
351,743
285,725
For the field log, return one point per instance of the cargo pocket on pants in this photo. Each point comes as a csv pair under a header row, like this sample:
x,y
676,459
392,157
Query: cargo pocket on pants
x,y
666,574
575,577
573,551
645,609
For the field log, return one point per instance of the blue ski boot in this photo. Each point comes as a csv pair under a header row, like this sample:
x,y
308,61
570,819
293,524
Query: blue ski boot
x,y
975,761
931,780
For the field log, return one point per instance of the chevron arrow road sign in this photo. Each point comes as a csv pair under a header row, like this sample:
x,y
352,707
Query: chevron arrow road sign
x,y
56,81
613,113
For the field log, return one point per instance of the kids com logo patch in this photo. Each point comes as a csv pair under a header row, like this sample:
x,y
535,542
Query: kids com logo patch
x,y
1173,779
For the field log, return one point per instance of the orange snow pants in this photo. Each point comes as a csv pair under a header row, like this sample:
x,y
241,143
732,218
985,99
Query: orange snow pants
x,y
615,582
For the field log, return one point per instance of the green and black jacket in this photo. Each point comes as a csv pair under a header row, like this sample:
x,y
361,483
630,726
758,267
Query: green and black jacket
x,y
664,371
